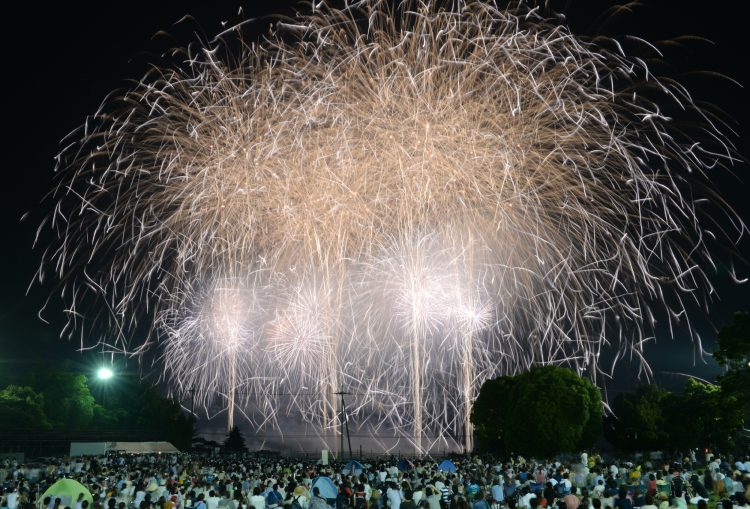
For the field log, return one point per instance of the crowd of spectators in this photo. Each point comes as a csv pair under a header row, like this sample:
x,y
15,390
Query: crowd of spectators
x,y
190,481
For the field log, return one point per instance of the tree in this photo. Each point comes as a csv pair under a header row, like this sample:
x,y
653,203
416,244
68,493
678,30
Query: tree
x,y
487,413
733,352
68,401
235,442
543,412
22,408
639,420
703,416
734,343
138,406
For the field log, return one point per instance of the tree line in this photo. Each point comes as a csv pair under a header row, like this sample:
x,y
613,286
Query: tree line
x,y
551,410
61,400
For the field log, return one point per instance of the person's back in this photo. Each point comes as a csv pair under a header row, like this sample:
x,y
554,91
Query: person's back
x,y
394,497
316,501
509,489
433,498
273,498
571,500
622,501
360,498
525,500
257,501
480,502
212,501
408,501
496,491
12,499
342,500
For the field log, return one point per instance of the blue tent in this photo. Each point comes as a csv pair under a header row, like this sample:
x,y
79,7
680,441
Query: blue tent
x,y
447,466
353,467
405,465
327,489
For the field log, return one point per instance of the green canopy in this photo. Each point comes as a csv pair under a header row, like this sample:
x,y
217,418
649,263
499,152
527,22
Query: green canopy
x,y
67,490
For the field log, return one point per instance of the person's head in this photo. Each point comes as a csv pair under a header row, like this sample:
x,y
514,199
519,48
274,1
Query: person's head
x,y
649,499
726,504
573,490
316,491
702,504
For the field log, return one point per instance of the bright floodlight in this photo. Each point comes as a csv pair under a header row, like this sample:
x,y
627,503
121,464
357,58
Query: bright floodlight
x,y
104,373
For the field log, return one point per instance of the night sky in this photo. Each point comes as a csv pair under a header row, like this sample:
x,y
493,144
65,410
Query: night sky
x,y
61,61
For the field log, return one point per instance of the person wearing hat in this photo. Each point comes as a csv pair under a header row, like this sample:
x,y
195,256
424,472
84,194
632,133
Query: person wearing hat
x,y
663,500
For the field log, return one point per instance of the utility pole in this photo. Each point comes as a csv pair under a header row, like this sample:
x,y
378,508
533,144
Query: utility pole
x,y
344,424
192,400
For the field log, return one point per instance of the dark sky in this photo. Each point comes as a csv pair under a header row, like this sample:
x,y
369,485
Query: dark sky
x,y
60,61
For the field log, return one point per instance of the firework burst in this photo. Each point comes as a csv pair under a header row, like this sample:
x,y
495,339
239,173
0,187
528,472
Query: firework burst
x,y
417,198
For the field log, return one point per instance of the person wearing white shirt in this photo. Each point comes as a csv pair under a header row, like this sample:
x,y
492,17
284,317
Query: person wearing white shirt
x,y
12,499
394,496
525,500
212,501
417,495
257,501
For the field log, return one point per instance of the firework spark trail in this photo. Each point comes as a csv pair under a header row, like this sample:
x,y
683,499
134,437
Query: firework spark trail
x,y
416,199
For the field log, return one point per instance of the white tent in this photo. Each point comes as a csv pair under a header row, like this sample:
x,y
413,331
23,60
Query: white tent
x,y
97,448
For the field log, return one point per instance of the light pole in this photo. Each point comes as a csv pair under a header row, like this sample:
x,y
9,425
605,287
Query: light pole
x,y
104,374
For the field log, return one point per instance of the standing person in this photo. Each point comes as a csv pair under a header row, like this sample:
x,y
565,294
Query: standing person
x,y
408,500
394,496
343,500
572,501
433,498
257,501
12,498
273,498
649,502
480,502
622,501
549,494
360,497
212,502
316,501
